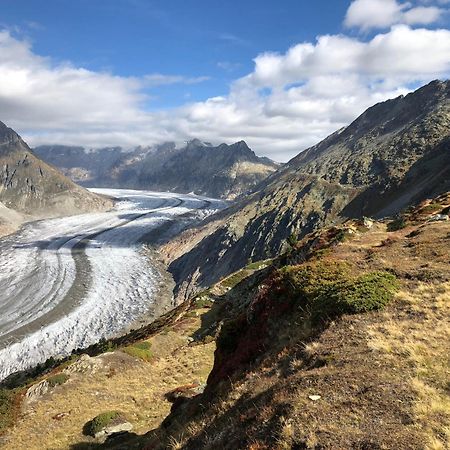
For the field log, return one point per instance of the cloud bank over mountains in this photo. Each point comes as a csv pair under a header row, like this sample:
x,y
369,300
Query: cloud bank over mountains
x,y
288,102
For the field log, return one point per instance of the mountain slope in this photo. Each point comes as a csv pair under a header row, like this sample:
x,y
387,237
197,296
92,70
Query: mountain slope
x,y
396,153
225,171
342,346
30,188
263,360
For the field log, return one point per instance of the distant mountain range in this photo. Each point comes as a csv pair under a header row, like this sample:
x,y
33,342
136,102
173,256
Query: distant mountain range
x,y
395,154
224,171
31,189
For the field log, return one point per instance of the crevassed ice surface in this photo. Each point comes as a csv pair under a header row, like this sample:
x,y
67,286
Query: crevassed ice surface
x,y
50,305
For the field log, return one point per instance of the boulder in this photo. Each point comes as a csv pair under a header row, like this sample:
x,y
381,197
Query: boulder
x,y
368,223
37,390
439,217
85,364
114,429
107,424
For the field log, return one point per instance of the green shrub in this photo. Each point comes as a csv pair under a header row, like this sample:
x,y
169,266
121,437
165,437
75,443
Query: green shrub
x,y
329,290
102,346
50,363
141,350
56,380
366,293
102,421
397,224
307,280
431,208
341,236
292,240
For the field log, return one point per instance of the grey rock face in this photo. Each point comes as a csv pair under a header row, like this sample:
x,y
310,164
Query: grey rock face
x,y
36,391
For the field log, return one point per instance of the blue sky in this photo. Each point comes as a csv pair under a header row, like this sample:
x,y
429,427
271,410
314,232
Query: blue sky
x,y
279,74
214,39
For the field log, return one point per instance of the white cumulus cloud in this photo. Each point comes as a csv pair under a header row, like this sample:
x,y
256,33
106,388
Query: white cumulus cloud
x,y
368,14
288,102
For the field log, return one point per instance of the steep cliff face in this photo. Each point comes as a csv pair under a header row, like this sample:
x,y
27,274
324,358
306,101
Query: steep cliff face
x,y
225,171
30,188
395,154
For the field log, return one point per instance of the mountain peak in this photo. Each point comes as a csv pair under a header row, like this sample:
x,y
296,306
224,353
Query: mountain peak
x,y
31,187
242,145
8,138
194,143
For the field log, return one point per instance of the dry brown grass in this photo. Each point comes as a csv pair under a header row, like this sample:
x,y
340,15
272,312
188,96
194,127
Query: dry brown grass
x,y
311,349
383,377
134,386
424,343
286,434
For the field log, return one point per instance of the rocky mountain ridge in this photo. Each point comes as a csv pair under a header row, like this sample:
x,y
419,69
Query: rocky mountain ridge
x,y
395,154
224,171
31,189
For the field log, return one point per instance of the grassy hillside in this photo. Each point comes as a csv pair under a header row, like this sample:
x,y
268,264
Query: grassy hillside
x,y
345,347
341,342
